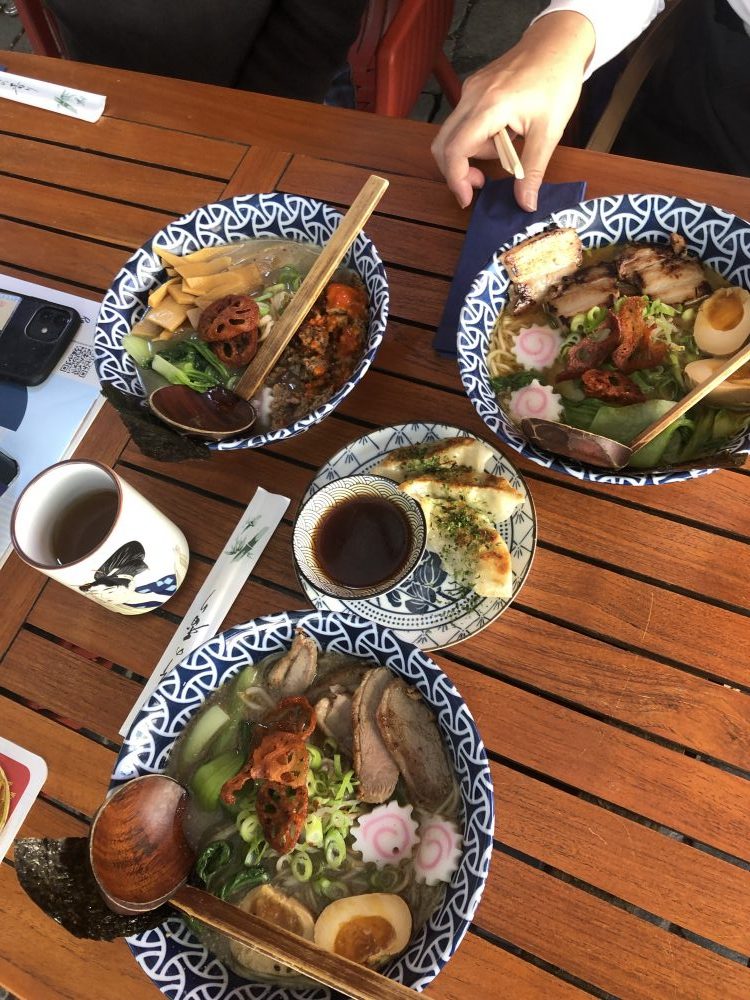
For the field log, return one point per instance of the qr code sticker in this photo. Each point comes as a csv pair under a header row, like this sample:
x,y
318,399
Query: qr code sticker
x,y
80,361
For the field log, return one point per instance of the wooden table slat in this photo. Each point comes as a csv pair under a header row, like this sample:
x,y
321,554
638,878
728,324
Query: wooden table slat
x,y
82,171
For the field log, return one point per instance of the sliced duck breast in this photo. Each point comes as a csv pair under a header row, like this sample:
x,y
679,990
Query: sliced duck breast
x,y
374,766
411,734
294,672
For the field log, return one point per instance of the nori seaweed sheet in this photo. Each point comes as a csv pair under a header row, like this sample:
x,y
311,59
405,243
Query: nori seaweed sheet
x,y
153,437
57,876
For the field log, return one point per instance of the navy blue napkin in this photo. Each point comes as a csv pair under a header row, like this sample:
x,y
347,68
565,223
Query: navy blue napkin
x,y
495,220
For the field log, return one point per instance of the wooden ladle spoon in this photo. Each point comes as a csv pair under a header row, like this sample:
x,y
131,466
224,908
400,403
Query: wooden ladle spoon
x,y
604,452
141,859
227,413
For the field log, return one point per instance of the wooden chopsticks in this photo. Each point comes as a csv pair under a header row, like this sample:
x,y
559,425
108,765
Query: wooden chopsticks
x,y
507,154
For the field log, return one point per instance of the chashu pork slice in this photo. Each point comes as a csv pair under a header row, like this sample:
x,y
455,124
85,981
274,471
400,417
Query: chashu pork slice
x,y
540,262
417,459
470,546
411,733
661,273
373,764
491,494
579,292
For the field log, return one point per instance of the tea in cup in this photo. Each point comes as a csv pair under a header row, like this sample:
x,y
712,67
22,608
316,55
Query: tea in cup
x,y
84,526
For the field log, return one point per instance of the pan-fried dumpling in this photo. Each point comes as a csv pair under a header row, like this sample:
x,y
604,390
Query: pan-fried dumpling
x,y
418,459
469,545
493,495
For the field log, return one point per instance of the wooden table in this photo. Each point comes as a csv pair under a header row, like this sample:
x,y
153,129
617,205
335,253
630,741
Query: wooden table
x,y
612,696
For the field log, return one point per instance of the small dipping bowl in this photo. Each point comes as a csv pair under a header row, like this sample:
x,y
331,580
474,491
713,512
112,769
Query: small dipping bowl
x,y
359,537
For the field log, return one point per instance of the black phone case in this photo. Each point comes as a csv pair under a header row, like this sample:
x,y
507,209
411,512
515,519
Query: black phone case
x,y
26,354
8,471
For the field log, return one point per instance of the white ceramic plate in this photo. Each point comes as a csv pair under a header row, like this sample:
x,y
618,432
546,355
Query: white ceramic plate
x,y
431,609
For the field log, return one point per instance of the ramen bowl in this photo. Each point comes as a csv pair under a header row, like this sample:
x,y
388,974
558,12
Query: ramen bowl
x,y
175,960
279,216
721,241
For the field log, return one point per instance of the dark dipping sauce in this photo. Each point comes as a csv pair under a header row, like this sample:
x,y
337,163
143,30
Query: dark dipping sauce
x,y
362,541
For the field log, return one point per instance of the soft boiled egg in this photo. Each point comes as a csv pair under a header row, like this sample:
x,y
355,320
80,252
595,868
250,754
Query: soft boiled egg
x,y
368,929
277,908
722,324
733,394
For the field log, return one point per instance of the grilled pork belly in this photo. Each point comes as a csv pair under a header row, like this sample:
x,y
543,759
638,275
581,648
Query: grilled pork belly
x,y
579,292
541,261
661,273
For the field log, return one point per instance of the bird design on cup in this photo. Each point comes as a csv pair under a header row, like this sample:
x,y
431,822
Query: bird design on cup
x,y
113,581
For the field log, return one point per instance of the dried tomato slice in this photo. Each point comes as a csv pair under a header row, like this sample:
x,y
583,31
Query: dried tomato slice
x,y
292,715
635,349
281,757
586,354
282,812
611,386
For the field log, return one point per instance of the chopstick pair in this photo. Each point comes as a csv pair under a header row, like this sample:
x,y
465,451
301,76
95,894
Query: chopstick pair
x,y
507,154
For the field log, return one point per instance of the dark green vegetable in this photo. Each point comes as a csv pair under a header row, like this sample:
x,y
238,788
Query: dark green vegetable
x,y
212,858
246,878
191,363
516,380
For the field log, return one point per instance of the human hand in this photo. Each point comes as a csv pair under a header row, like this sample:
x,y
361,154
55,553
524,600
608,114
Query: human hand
x,y
533,90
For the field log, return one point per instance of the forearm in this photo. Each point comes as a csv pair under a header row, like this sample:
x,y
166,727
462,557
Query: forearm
x,y
615,23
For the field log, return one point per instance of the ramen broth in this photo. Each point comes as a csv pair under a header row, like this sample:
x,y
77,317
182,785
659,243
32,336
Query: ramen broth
x,y
246,700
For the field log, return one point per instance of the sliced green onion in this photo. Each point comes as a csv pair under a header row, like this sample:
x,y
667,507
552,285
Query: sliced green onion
x,y
264,309
345,787
577,323
386,879
334,849
249,827
331,890
314,831
688,315
316,757
302,866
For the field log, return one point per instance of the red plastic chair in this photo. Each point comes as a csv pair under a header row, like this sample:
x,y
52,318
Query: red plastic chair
x,y
400,44
40,28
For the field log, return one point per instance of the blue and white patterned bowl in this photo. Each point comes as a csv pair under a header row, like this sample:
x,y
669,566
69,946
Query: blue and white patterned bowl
x,y
170,955
720,239
288,216
321,503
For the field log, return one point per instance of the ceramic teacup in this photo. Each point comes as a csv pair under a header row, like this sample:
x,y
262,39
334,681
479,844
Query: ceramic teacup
x,y
84,526
360,544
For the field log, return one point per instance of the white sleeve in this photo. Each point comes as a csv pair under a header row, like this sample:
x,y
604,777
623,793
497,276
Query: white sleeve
x,y
616,23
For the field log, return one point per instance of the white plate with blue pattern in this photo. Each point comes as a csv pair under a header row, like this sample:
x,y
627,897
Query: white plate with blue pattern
x,y
720,239
289,216
171,955
430,609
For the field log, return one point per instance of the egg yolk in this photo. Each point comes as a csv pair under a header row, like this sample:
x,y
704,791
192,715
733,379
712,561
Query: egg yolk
x,y
723,312
363,938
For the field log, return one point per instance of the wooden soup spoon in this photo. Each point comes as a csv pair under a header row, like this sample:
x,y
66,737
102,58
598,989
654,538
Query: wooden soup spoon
x,y
221,413
604,452
141,859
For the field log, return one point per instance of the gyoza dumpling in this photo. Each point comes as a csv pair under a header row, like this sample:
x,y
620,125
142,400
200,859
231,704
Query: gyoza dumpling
x,y
417,459
491,494
469,545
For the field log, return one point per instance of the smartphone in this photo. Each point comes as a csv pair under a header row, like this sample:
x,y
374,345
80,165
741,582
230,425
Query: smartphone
x,y
8,471
33,336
